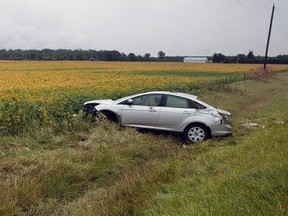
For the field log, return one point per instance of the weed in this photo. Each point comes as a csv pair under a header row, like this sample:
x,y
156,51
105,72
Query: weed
x,y
261,74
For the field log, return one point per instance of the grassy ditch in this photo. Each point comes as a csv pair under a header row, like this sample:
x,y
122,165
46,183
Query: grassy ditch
x,y
108,170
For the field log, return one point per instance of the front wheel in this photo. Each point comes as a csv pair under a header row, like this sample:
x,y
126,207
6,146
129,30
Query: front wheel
x,y
101,117
107,116
89,109
196,133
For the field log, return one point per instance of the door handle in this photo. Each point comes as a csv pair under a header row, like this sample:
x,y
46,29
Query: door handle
x,y
186,112
152,110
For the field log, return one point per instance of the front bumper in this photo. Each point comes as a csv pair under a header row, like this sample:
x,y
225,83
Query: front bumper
x,y
221,130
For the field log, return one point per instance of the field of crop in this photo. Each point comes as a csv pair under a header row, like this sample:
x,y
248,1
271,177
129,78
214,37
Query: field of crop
x,y
36,94
52,163
51,81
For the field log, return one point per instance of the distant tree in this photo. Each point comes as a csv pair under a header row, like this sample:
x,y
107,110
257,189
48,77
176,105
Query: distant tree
x,y
241,58
4,54
282,59
60,54
250,57
33,55
112,55
123,57
131,57
17,54
218,58
139,58
92,55
78,54
161,55
146,57
47,54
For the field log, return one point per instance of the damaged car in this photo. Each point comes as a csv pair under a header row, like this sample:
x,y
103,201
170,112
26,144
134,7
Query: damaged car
x,y
167,111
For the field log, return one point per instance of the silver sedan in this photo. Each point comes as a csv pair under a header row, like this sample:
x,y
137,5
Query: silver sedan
x,y
168,111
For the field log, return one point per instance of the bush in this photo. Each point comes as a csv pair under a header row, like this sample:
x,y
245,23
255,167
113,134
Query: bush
x,y
260,74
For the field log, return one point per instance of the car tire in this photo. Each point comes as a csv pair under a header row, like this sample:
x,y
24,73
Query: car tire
x,y
108,116
100,117
195,133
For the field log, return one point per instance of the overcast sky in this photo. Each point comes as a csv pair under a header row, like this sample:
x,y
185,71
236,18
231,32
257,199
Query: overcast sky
x,y
177,27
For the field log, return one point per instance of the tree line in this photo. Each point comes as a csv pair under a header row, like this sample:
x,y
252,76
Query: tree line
x,y
114,55
250,58
80,55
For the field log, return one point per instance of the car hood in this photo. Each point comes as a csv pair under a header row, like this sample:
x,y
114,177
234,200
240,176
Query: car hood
x,y
224,112
106,101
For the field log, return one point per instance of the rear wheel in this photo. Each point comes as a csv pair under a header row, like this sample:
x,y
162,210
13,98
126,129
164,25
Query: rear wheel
x,y
196,133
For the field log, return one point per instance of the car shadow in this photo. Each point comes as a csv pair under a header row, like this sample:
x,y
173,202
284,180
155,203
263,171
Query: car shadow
x,y
166,134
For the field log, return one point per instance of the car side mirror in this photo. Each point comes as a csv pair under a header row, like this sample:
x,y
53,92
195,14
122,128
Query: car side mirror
x,y
130,101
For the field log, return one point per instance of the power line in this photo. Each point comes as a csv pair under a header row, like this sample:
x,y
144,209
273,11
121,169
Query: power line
x,y
280,14
283,30
262,15
252,10
277,21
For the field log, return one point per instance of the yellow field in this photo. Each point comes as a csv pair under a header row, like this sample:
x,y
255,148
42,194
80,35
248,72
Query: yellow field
x,y
49,81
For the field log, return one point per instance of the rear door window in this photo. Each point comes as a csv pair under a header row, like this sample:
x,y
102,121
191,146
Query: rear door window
x,y
176,102
179,102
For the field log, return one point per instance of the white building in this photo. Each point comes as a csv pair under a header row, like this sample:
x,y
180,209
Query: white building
x,y
195,60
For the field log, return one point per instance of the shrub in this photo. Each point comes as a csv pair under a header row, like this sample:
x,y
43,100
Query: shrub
x,y
260,74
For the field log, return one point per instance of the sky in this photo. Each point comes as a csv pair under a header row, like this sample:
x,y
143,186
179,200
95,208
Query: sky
x,y
177,27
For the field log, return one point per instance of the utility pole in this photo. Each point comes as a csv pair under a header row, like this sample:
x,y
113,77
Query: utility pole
x,y
268,40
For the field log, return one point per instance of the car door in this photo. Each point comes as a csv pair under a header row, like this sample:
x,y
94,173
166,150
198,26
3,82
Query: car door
x,y
143,112
173,113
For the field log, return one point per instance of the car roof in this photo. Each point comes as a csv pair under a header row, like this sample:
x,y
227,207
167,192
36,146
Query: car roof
x,y
172,93
161,92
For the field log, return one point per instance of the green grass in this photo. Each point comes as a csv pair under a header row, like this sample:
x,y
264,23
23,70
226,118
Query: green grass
x,y
108,170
